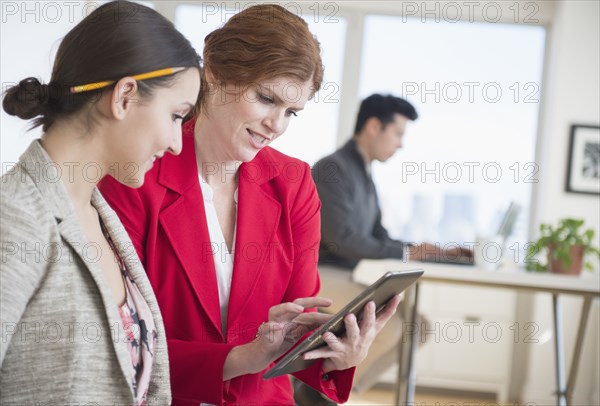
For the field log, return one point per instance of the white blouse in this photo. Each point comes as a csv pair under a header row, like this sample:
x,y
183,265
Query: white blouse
x,y
221,255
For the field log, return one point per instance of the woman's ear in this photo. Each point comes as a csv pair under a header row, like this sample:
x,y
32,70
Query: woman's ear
x,y
212,87
124,96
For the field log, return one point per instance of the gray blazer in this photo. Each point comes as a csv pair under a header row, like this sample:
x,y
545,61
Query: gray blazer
x,y
351,226
61,334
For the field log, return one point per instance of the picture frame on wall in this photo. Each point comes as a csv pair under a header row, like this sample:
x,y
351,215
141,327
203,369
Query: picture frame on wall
x,y
583,170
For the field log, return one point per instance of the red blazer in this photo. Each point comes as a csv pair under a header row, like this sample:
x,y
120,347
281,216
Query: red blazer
x,y
275,261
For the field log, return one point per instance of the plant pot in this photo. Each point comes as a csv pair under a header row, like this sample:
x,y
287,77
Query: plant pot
x,y
555,265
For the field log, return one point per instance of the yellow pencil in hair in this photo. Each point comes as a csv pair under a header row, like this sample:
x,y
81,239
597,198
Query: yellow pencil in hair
x,y
156,73
141,76
91,86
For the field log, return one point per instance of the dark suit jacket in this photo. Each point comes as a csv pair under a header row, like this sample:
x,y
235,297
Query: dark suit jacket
x,y
350,215
275,261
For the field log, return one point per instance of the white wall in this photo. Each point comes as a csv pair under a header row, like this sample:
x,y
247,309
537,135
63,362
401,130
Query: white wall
x,y
571,96
30,33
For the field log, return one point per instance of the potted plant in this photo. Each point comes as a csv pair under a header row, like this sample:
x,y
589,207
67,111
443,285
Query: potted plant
x,y
566,247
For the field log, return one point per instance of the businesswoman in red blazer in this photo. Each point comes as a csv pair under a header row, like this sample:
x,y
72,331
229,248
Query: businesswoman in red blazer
x,y
229,230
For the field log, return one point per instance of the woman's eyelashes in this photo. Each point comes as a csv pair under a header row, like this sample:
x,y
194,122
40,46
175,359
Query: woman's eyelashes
x,y
269,100
177,117
266,99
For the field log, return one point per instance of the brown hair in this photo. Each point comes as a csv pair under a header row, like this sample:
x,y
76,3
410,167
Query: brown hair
x,y
261,43
116,40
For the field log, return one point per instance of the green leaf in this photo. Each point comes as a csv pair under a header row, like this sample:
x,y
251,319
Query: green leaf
x,y
561,238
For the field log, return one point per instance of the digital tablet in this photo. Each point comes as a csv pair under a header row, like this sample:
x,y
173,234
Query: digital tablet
x,y
384,289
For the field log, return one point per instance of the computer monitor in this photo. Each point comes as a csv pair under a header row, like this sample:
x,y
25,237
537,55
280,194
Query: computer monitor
x,y
508,221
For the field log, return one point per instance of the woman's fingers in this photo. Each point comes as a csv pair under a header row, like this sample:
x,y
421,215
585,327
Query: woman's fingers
x,y
352,348
304,323
287,311
288,322
309,302
386,314
368,318
334,347
312,319
270,333
284,312
353,330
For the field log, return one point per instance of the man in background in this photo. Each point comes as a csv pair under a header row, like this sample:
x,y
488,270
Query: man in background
x,y
350,214
351,226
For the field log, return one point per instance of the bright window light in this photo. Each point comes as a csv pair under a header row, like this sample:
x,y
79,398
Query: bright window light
x,y
477,89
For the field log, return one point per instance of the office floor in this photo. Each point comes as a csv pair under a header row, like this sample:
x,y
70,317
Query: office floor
x,y
384,396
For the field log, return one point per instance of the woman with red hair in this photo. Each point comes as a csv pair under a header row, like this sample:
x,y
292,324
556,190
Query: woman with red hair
x,y
229,231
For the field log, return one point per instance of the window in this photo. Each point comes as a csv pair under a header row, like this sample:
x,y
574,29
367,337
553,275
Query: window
x,y
312,134
196,22
476,87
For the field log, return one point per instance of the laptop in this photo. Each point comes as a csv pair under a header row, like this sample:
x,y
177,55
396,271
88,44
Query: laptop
x,y
450,259
504,231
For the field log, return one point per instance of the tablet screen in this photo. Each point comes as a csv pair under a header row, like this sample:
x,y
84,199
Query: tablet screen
x,y
390,284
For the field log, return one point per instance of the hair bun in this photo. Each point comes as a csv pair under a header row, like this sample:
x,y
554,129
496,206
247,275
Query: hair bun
x,y
26,100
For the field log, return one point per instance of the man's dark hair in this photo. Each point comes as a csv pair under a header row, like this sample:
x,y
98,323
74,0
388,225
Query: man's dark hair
x,y
383,107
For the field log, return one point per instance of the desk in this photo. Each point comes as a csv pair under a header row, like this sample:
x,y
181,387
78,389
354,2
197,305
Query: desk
x,y
368,271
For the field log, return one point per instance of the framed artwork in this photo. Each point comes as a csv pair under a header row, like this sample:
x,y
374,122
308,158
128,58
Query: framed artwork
x,y
583,172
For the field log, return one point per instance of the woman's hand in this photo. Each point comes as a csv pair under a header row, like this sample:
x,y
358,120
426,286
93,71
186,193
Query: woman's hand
x,y
287,323
297,323
351,349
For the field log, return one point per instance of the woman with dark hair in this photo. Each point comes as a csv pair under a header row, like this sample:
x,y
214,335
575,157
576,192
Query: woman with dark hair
x,y
229,231
80,322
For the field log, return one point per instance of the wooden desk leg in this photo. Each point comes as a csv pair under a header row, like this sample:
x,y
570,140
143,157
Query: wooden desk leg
x,y
561,391
406,381
585,311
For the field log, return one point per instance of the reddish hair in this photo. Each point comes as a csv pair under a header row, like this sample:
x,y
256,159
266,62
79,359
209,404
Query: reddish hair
x,y
259,44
